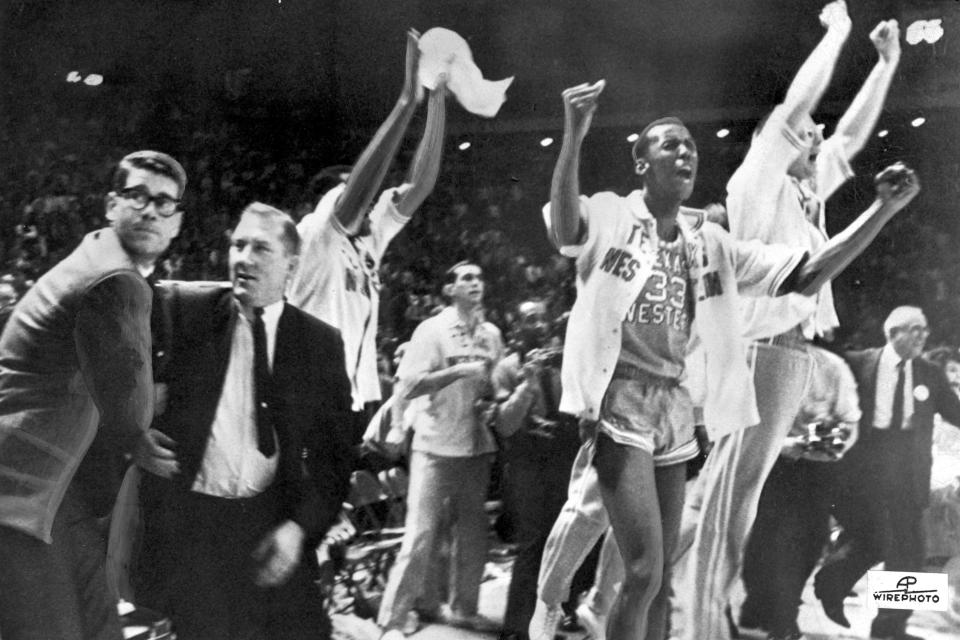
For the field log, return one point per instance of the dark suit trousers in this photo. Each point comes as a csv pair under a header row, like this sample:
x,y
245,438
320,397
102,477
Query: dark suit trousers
x,y
535,489
787,539
881,521
58,591
196,566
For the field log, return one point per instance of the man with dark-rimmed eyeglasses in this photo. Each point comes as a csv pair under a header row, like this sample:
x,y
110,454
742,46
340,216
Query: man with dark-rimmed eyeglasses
x,y
76,369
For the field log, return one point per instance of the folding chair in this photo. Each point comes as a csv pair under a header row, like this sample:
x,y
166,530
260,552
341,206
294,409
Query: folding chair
x,y
363,562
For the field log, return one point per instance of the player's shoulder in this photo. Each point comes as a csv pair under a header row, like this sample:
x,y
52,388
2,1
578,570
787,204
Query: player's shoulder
x,y
605,202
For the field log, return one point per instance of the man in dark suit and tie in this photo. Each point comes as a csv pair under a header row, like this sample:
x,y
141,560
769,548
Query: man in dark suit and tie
x,y
247,465
885,477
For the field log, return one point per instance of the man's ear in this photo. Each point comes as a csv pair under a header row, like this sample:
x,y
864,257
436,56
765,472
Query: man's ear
x,y
177,221
640,167
292,267
448,290
110,202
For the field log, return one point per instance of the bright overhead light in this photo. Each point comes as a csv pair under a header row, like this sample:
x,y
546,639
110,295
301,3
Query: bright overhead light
x,y
821,127
633,137
723,133
463,146
546,142
883,133
916,122
93,80
73,76
929,31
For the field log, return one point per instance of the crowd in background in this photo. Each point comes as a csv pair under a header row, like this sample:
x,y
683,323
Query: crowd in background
x,y
486,206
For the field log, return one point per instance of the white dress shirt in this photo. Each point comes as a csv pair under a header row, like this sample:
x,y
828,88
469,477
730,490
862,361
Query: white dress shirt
x,y
233,466
886,383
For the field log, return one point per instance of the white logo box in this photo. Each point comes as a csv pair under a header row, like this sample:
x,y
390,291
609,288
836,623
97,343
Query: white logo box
x,y
907,590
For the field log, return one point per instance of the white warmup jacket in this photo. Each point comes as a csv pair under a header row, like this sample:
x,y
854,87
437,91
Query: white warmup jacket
x,y
615,259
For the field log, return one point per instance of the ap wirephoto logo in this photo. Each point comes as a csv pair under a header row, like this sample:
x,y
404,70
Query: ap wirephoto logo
x,y
907,590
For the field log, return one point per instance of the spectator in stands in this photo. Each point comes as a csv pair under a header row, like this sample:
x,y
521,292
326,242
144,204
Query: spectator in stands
x,y
539,445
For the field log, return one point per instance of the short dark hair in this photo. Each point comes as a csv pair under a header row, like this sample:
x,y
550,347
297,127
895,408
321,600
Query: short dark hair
x,y
328,178
450,275
761,123
639,148
289,235
152,161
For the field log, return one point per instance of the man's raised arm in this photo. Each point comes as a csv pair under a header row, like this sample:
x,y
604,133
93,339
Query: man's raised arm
x,y
579,105
814,75
426,162
372,165
861,116
897,185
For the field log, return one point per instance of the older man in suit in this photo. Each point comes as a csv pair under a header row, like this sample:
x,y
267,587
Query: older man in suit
x,y
885,477
247,465
75,366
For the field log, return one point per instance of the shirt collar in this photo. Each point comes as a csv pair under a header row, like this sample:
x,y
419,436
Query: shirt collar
x,y
451,317
638,206
639,209
271,313
889,357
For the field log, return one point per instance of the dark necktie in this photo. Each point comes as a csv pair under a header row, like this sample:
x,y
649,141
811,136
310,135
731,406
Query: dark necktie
x,y
896,416
261,377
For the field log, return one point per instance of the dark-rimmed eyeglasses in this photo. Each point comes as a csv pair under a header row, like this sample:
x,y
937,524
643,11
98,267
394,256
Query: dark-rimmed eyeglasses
x,y
140,198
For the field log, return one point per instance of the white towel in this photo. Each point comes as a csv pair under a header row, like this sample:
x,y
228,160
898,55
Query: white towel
x,y
445,51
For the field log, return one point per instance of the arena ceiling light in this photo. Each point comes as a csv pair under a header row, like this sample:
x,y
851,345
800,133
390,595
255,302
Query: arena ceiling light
x,y
723,133
918,122
463,146
546,142
633,137
883,133
91,79
929,31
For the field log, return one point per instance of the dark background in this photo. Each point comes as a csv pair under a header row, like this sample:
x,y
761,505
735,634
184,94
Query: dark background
x,y
311,80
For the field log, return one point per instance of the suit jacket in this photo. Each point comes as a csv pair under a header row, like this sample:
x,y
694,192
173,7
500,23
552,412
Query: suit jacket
x,y
912,464
74,364
311,398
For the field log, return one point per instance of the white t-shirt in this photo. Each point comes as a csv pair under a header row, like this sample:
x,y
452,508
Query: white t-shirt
x,y
338,281
764,203
445,422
